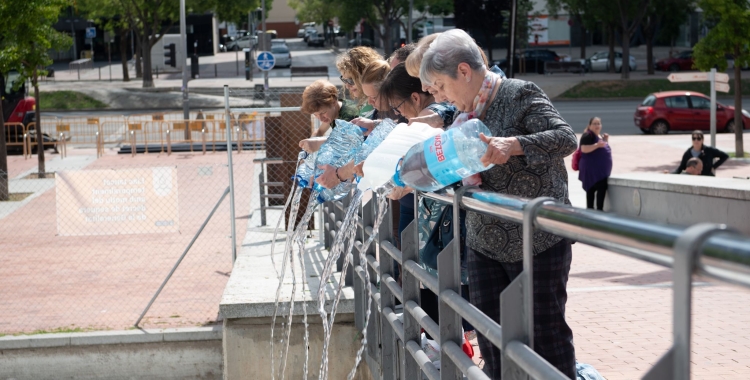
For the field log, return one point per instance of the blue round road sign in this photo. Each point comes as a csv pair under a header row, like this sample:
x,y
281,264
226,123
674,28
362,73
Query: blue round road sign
x,y
266,61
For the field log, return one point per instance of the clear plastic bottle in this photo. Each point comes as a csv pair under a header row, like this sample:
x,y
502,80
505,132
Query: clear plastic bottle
x,y
444,159
306,168
374,139
342,145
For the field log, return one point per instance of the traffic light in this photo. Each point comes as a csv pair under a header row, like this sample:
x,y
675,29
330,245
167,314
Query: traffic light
x,y
170,58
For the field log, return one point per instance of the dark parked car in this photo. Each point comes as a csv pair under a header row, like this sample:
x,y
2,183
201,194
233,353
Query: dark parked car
x,y
533,60
683,61
662,112
364,42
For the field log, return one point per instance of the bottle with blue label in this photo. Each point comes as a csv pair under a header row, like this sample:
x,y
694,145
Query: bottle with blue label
x,y
306,168
341,147
444,159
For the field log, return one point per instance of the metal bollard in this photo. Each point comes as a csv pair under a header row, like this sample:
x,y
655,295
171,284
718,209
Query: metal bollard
x,y
79,72
239,140
132,143
203,137
169,143
216,71
100,73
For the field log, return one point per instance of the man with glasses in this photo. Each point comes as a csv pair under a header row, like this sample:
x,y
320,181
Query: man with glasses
x,y
711,157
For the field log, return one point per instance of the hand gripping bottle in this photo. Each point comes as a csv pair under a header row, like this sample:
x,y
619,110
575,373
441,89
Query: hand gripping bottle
x,y
306,168
374,139
342,145
444,159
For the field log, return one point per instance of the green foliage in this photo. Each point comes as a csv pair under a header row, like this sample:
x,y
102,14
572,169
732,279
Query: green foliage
x,y
68,100
638,88
26,35
319,11
730,34
234,11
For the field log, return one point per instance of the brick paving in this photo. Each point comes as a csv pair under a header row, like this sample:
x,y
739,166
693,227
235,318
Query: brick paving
x,y
104,282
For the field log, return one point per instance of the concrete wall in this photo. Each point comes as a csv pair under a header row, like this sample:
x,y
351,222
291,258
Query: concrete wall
x,y
247,348
681,199
136,354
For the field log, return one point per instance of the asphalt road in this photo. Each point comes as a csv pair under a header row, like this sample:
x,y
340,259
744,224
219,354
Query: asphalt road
x,y
616,115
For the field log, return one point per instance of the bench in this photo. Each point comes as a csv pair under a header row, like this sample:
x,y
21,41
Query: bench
x,y
309,71
551,67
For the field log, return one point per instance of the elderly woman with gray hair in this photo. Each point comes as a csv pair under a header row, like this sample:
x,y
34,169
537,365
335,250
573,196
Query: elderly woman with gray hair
x,y
528,143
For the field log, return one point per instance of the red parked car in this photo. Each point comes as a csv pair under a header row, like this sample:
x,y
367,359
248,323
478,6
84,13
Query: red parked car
x,y
662,112
683,61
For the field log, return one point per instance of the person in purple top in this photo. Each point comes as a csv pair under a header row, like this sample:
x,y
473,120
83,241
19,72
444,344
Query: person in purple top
x,y
596,163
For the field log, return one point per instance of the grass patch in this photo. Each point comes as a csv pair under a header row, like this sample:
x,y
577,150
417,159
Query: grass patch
x,y
641,88
731,154
68,100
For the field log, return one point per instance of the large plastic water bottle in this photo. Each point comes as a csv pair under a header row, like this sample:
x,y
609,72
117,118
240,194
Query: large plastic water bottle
x,y
342,145
306,168
374,139
444,159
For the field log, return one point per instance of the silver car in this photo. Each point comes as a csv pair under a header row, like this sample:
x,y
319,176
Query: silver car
x,y
600,62
244,42
282,55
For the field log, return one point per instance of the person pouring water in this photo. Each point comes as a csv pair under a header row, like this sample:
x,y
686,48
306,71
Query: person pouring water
x,y
529,141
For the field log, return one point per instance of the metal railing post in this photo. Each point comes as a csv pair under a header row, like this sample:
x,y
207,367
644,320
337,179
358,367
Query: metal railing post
x,y
262,191
230,167
675,364
388,349
449,278
519,296
410,290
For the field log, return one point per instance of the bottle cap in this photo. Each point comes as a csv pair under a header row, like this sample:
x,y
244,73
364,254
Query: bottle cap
x,y
397,176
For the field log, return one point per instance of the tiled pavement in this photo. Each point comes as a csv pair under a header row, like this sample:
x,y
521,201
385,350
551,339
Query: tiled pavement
x,y
619,308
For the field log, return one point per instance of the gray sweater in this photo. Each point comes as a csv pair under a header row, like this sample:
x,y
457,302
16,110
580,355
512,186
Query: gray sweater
x,y
521,109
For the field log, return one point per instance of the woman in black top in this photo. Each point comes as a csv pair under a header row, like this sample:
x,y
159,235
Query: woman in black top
x,y
712,158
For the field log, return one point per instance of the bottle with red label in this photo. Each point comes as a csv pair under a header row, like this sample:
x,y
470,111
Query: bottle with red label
x,y
444,159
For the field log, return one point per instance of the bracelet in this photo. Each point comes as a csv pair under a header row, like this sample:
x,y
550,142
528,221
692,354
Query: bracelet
x,y
337,176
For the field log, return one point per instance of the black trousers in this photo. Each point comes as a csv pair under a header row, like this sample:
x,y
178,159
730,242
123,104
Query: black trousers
x,y
599,190
553,339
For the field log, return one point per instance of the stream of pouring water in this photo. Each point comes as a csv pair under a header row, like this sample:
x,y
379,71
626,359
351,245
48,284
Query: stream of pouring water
x,y
293,237
295,198
382,209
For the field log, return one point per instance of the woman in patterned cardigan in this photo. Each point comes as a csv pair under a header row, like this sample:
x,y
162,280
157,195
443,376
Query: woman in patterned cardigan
x,y
529,141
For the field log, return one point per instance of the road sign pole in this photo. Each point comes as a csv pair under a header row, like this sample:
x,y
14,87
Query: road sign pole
x,y
712,78
182,57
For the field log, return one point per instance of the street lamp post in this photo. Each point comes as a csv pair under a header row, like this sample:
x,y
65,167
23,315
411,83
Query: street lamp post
x,y
183,48
265,72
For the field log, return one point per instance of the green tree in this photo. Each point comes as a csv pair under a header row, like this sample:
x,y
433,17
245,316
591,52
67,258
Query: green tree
x,y
482,15
578,10
729,34
26,37
631,14
669,15
113,16
319,11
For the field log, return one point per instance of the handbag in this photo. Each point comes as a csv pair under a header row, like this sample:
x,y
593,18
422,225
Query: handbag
x,y
576,159
440,236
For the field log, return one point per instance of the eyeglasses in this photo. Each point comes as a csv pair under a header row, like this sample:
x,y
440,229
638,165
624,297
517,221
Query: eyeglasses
x,y
395,109
349,82
697,138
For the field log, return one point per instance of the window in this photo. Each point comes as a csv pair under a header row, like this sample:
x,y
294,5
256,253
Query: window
x,y
700,103
279,50
10,81
677,102
649,101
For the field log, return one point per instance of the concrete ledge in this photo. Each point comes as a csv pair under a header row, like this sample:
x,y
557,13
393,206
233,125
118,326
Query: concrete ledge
x,y
111,337
681,199
730,188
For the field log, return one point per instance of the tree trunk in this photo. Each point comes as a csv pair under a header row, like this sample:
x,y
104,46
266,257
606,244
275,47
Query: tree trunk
x,y
4,191
148,79
124,54
39,135
625,67
649,34
611,59
387,43
583,41
138,57
738,125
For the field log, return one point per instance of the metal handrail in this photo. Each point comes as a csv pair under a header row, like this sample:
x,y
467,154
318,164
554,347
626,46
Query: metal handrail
x,y
649,241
